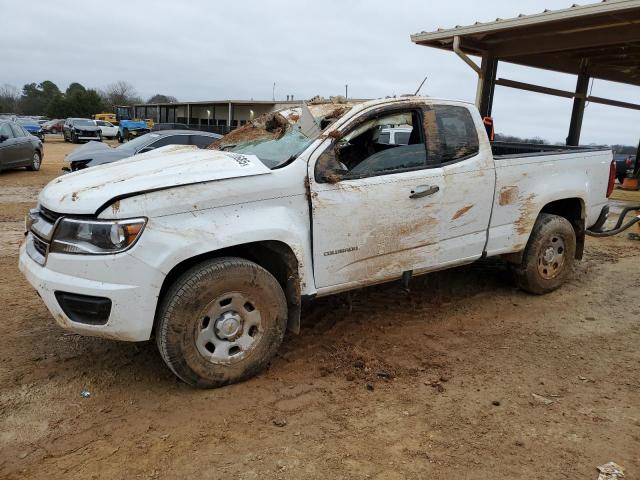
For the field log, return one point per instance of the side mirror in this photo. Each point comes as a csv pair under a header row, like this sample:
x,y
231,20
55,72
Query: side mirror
x,y
3,138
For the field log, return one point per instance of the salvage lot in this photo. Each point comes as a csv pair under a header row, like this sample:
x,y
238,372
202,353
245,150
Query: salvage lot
x,y
464,377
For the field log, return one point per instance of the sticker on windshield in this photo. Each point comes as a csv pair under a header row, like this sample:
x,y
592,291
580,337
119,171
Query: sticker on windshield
x,y
240,159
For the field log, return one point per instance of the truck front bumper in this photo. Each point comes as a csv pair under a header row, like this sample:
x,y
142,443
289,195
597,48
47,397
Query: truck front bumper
x,y
131,305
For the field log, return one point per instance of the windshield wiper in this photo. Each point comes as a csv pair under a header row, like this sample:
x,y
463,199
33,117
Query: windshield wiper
x,y
286,162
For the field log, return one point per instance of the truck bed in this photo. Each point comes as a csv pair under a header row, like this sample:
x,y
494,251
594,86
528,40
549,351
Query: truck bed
x,y
530,177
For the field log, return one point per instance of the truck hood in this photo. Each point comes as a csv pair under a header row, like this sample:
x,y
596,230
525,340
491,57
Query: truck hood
x,y
86,191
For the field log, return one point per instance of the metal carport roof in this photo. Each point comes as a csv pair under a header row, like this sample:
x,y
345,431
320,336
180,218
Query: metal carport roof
x,y
605,36
600,40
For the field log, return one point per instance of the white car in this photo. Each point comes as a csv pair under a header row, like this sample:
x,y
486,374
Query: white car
x,y
212,252
394,136
108,129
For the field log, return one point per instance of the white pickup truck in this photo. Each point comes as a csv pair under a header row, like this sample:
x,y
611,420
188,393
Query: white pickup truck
x,y
213,251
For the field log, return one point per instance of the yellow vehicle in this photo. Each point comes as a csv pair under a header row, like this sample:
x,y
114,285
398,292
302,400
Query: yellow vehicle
x,y
107,117
122,113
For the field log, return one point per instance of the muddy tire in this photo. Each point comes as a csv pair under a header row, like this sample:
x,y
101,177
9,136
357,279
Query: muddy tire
x,y
549,256
221,322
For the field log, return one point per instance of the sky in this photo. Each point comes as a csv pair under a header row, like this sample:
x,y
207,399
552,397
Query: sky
x,y
205,50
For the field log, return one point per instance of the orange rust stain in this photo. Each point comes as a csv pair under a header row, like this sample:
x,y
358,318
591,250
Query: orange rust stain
x,y
508,195
115,207
461,212
528,215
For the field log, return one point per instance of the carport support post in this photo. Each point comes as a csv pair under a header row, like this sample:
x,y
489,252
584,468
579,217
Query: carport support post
x,y
579,102
486,84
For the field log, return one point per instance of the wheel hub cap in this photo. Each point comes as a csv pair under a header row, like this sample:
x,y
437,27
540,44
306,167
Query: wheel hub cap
x,y
228,326
551,258
549,255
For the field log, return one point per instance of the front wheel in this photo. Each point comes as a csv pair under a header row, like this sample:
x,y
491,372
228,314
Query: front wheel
x,y
54,130
221,322
549,256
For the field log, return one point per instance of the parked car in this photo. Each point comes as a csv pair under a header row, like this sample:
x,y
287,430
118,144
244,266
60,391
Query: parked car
x,y
169,126
53,126
18,148
394,136
108,129
212,251
32,126
93,153
76,130
624,163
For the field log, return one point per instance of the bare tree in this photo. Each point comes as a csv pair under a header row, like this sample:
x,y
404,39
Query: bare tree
x,y
9,98
121,93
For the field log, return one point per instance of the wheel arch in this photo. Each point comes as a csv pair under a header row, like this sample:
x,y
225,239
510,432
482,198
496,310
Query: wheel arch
x,y
275,256
573,209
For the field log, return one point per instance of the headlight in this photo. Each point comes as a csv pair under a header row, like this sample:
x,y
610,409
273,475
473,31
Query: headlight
x,y
96,237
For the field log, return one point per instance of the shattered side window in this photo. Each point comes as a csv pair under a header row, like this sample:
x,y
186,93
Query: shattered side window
x,y
362,154
279,137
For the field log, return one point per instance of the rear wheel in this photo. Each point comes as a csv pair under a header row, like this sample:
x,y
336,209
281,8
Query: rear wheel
x,y
54,130
549,256
35,162
221,322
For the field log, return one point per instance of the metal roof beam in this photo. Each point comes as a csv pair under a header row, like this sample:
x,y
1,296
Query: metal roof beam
x,y
530,87
562,43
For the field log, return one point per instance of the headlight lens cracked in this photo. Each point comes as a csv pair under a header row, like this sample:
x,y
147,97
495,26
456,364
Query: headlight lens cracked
x,y
97,237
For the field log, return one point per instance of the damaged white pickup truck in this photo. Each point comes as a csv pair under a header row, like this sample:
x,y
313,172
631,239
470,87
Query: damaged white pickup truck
x,y
213,251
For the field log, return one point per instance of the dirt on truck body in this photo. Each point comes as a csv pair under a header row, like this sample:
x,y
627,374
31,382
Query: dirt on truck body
x,y
462,377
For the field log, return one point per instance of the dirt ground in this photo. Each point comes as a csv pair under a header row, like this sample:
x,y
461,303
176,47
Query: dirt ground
x,y
464,377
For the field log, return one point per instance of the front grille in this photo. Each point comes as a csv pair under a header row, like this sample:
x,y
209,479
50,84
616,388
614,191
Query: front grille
x,y
40,246
49,215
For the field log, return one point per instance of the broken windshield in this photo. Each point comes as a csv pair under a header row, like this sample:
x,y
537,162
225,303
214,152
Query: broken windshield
x,y
279,137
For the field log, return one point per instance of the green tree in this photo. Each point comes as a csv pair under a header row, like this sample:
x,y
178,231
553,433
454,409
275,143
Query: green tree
x,y
36,97
160,98
74,88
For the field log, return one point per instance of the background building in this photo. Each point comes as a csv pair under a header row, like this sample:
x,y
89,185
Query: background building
x,y
218,116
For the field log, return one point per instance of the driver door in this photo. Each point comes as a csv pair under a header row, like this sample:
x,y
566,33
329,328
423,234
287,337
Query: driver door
x,y
379,216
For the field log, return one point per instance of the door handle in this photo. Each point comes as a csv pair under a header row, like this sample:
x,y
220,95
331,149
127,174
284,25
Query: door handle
x,y
424,191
